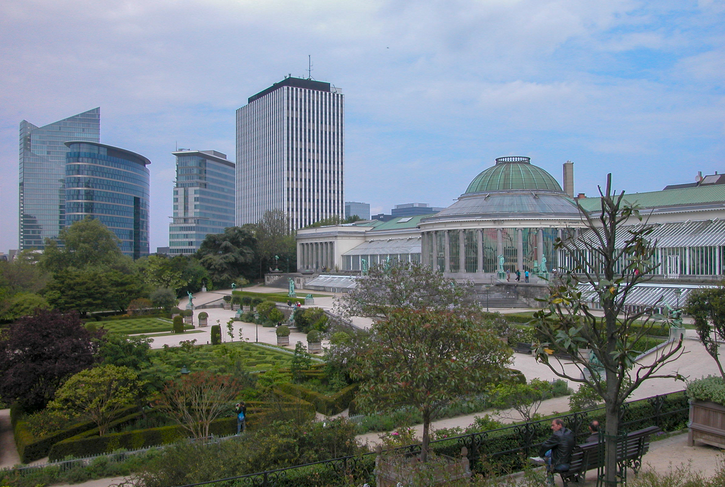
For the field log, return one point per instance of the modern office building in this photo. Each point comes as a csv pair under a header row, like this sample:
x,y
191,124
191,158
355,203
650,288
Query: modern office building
x,y
111,185
42,174
414,209
203,199
353,208
290,153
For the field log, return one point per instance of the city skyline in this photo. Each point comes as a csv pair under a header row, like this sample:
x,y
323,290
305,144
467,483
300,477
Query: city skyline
x,y
434,91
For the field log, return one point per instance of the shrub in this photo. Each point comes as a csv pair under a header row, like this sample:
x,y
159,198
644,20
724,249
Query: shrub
x,y
247,300
283,331
710,388
227,299
178,324
216,334
236,300
139,306
311,319
314,337
175,310
585,398
203,315
187,313
256,301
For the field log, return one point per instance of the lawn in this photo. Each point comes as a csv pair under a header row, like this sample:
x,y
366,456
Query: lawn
x,y
137,325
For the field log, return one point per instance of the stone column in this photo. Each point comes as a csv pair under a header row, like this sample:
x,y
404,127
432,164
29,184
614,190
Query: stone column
x,y
540,245
461,251
446,253
479,241
434,264
520,250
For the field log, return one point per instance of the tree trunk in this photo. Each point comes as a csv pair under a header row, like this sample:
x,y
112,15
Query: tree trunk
x,y
426,436
610,449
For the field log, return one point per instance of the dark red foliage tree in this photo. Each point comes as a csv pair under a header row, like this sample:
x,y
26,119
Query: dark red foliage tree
x,y
39,352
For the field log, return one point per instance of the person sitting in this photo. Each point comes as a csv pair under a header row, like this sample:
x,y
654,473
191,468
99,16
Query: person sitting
x,y
593,432
561,443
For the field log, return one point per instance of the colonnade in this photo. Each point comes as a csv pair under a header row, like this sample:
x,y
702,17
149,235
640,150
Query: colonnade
x,y
316,255
479,250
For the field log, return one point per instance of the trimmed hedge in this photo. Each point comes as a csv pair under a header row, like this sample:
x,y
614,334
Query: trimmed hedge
x,y
31,448
259,413
324,404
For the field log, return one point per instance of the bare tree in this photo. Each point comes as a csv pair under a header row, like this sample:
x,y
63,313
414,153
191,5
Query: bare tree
x,y
612,260
197,399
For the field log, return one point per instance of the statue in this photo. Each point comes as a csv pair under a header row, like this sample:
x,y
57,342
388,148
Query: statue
x,y
542,267
500,272
291,292
364,266
234,286
190,305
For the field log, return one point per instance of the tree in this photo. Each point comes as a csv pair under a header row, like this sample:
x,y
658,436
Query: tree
x,y
707,308
164,298
38,353
92,289
197,399
158,271
612,260
21,304
227,256
85,243
125,351
99,393
425,359
404,285
274,238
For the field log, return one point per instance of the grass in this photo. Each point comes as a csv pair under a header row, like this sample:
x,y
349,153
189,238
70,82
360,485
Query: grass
x,y
137,326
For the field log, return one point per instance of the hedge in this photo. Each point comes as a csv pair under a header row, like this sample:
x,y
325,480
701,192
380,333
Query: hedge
x,y
324,404
31,448
89,443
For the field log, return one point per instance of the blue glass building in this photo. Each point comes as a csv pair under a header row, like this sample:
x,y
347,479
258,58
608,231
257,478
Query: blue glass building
x,y
42,174
203,199
111,185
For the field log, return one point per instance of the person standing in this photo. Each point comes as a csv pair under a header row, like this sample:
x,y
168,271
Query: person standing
x,y
241,409
561,443
526,276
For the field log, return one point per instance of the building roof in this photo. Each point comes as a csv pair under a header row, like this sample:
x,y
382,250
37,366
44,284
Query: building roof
x,y
307,84
699,196
117,152
513,173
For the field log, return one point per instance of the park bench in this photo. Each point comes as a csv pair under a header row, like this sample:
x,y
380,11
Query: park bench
x,y
587,456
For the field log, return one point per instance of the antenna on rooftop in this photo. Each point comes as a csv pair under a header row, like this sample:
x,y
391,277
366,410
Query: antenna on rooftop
x,y
309,66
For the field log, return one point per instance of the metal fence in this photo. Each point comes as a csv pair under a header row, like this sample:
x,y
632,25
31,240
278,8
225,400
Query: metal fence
x,y
503,449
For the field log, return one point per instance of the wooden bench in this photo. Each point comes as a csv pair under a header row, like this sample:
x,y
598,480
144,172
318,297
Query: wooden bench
x,y
587,457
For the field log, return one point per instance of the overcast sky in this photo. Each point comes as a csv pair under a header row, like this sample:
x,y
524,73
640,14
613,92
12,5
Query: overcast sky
x,y
434,90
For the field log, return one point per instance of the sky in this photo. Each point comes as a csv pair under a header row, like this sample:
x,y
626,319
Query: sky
x,y
434,90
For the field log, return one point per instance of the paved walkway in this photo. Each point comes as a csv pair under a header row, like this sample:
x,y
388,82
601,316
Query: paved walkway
x,y
663,455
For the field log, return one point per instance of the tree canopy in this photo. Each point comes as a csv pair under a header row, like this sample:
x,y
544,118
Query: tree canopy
x,y
388,287
38,353
85,243
425,359
707,307
227,256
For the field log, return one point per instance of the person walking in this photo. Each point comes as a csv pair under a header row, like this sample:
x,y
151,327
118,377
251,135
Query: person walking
x,y
241,409
518,275
526,276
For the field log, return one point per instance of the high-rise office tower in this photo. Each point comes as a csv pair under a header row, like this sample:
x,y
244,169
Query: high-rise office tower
x,y
203,199
290,153
42,174
111,185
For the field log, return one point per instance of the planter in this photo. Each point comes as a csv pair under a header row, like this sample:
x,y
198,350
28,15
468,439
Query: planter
x,y
282,341
314,347
235,307
202,322
409,472
707,423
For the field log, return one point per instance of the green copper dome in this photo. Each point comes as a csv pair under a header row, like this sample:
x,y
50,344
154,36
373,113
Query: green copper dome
x,y
513,173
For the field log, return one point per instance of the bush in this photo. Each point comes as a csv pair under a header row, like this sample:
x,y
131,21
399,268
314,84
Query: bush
x,y
139,306
256,301
216,334
585,398
311,319
247,300
236,300
178,324
175,311
314,337
282,331
203,315
227,299
710,388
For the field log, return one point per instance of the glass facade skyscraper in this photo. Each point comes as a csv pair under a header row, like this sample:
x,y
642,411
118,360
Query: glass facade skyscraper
x,y
111,185
203,199
42,162
290,153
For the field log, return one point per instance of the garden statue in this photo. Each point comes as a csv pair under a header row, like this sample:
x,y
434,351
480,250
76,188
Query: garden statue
x,y
234,286
542,267
500,272
276,263
291,292
190,305
364,266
